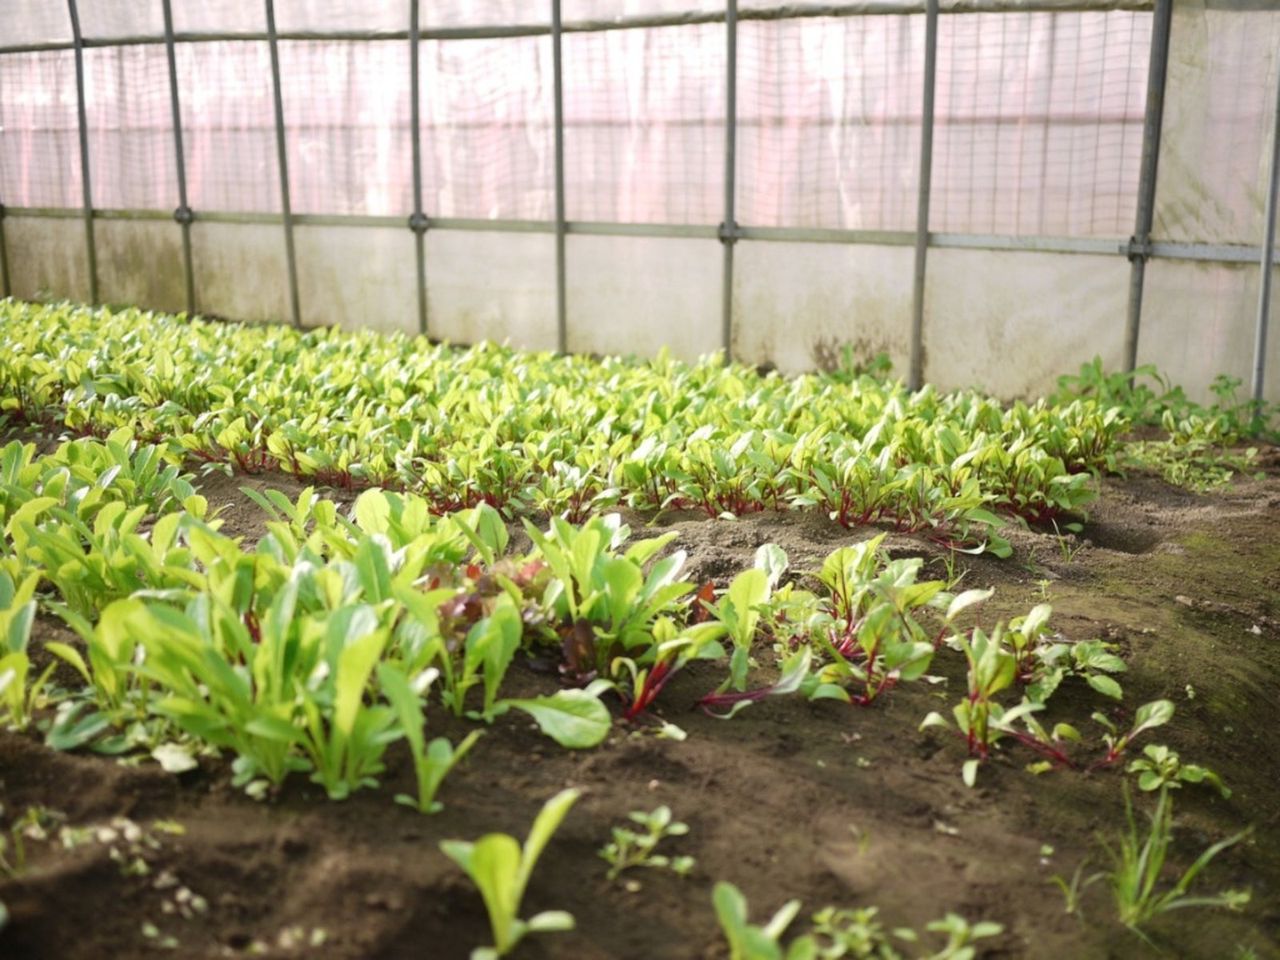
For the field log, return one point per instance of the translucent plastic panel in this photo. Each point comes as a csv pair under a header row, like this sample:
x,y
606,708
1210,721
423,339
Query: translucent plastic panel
x,y
491,286
221,16
228,126
358,277
800,306
346,108
39,131
640,294
644,125
829,122
1012,323
613,9
487,139
130,120
342,15
35,21
103,19
1214,147
1039,123
487,13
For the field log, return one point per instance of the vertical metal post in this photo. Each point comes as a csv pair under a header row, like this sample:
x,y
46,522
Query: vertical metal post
x,y
557,67
417,222
90,246
1268,259
1139,244
5,289
922,198
729,228
283,161
183,214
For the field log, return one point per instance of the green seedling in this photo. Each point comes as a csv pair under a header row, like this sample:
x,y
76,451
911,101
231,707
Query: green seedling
x,y
1160,768
1137,867
500,868
630,848
432,761
748,941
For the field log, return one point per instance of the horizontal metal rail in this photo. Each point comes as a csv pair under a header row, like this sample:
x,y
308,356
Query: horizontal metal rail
x,y
637,22
1168,250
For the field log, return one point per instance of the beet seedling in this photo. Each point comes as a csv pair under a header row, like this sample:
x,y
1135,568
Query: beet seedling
x,y
1159,768
630,848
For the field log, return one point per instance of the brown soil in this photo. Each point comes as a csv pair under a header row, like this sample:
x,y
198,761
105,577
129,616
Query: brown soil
x,y
822,802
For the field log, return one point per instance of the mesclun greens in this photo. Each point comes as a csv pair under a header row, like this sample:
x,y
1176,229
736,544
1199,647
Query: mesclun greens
x,y
566,436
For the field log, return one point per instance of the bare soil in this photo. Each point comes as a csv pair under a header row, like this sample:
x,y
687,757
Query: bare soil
x,y
823,802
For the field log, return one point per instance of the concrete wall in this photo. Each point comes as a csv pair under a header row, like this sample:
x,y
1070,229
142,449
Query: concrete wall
x,y
1013,322
47,258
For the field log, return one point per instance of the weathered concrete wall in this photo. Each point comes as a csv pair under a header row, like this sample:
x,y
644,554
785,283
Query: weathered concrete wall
x,y
1012,322
140,263
357,277
1200,319
490,286
240,270
47,259
798,305
639,294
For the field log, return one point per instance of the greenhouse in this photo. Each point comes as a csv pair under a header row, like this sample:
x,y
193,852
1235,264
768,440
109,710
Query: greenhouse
x,y
639,479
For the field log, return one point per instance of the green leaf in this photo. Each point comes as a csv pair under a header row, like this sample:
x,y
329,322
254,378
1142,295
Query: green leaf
x,y
1105,685
575,719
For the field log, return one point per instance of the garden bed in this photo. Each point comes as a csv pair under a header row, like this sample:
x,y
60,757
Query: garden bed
x,y
828,803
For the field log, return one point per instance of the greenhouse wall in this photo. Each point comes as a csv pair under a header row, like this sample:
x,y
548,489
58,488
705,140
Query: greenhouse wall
x,y
624,176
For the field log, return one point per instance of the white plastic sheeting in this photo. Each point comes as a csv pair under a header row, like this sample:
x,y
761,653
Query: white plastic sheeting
x,y
1038,132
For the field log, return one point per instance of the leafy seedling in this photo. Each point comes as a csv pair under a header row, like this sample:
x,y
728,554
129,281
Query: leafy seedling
x,y
500,868
630,848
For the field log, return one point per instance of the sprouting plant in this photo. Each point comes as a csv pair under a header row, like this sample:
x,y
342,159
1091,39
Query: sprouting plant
x,y
432,761
672,650
1137,868
960,934
1147,717
748,941
630,848
18,697
500,868
1073,890
1159,768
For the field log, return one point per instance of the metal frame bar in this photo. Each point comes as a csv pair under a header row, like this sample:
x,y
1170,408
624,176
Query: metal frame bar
x,y
1266,259
1224,253
1151,128
561,224
86,185
794,11
418,221
916,373
282,155
729,228
183,214
5,289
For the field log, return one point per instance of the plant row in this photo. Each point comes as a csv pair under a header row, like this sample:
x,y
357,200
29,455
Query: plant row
x,y
552,435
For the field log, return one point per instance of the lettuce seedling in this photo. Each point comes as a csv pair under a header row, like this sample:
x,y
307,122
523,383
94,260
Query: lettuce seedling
x,y
17,613
432,761
750,942
500,868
